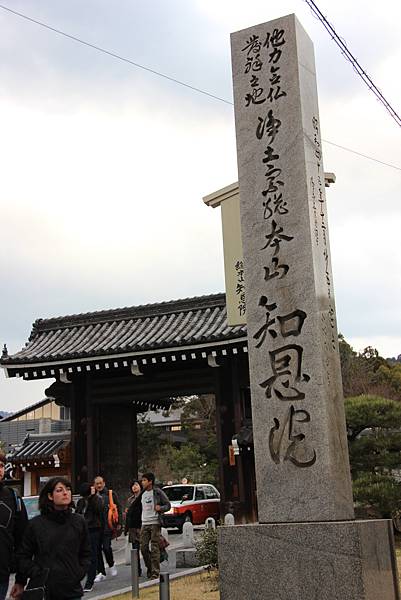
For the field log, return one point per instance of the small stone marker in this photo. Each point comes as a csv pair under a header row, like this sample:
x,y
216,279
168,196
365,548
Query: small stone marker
x,y
229,519
186,558
210,523
307,545
188,540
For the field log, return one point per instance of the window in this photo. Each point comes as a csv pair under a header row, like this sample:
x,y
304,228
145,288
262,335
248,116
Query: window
x,y
211,493
177,492
65,413
176,428
199,494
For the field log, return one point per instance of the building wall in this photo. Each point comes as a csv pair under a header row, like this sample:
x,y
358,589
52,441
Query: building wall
x,y
33,478
47,411
13,433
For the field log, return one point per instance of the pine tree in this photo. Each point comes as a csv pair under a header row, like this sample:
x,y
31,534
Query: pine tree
x,y
374,437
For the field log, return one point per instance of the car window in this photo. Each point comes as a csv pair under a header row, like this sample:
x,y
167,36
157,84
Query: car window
x,y
211,493
199,494
31,505
203,488
176,493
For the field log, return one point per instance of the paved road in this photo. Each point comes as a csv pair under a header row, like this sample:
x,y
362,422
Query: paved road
x,y
123,578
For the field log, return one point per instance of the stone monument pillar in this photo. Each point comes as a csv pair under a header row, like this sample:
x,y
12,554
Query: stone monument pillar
x,y
307,544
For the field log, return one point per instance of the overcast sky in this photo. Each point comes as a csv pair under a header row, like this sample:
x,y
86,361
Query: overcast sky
x,y
104,165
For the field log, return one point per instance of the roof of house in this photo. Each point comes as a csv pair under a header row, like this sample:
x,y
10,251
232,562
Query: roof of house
x,y
162,418
40,446
199,321
27,409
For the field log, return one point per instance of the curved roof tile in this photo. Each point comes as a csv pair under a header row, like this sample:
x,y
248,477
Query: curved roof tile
x,y
176,323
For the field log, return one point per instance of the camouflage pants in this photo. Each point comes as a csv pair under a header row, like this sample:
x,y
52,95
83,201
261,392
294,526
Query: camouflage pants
x,y
151,533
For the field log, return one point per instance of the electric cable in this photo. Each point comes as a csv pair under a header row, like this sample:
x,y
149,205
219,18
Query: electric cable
x,y
114,55
169,78
353,61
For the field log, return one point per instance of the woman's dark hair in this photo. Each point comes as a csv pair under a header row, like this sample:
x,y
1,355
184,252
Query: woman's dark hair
x,y
45,504
132,483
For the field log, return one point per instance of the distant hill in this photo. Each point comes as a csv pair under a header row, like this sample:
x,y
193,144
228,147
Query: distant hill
x,y
3,413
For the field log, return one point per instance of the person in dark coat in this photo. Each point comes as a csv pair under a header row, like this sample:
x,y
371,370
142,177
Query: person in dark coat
x,y
133,518
55,550
90,505
13,521
103,492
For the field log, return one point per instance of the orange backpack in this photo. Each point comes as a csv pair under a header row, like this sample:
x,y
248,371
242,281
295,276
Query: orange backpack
x,y
112,515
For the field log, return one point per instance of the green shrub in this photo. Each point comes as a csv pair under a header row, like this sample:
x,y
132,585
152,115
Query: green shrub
x,y
379,492
374,438
206,549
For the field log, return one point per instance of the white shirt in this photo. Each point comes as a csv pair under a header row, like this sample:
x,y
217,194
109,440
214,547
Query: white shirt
x,y
149,515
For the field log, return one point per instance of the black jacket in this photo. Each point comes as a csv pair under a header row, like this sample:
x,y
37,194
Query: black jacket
x,y
133,519
91,508
13,521
57,543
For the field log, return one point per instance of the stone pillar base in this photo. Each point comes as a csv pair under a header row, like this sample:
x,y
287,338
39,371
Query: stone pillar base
x,y
344,560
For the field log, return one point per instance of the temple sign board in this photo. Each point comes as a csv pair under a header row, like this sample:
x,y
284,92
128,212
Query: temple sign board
x,y
228,199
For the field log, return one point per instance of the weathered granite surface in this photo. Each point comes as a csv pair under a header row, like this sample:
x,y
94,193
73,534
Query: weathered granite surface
x,y
186,557
347,560
301,452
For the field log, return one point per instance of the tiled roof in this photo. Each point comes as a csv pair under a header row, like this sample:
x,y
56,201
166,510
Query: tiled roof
x,y
24,411
40,446
165,418
176,324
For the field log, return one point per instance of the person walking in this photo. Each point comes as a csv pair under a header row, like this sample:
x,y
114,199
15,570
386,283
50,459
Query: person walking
x,y
154,504
133,519
103,491
90,505
55,551
13,521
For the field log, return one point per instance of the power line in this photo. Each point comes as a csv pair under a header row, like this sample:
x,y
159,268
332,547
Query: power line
x,y
381,162
113,54
195,89
351,59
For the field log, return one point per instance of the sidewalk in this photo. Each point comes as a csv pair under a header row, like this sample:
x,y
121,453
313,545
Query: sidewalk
x,y
122,581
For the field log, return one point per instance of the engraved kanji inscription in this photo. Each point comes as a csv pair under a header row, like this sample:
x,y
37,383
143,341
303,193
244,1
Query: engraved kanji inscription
x,y
286,442
276,270
275,237
287,378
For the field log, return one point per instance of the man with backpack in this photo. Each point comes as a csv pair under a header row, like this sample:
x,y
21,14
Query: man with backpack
x,y
13,521
112,523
